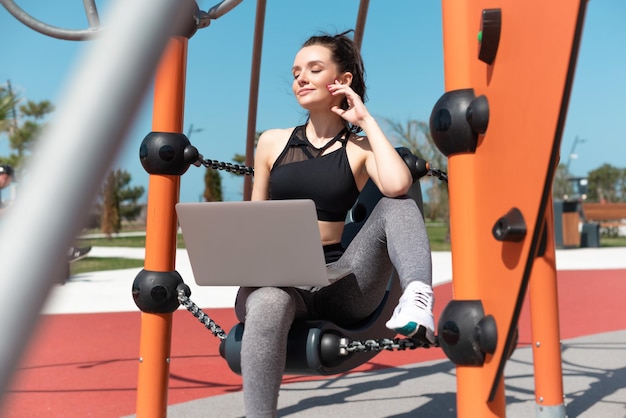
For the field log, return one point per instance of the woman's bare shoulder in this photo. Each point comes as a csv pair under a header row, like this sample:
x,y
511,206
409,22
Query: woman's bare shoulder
x,y
275,134
271,143
274,138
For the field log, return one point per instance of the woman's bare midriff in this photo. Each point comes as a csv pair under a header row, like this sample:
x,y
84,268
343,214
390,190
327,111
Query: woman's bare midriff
x,y
330,232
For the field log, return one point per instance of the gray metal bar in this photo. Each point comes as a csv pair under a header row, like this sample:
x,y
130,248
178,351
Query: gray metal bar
x,y
255,71
360,22
44,28
204,19
92,13
72,158
222,8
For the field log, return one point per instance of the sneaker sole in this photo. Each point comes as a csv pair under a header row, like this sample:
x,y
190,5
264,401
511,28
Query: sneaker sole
x,y
407,330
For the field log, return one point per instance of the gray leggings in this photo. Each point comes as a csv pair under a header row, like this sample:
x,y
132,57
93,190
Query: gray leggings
x,y
394,235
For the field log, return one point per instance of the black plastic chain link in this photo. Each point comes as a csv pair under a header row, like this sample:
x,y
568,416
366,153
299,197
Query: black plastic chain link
x,y
228,167
400,344
249,171
200,315
441,175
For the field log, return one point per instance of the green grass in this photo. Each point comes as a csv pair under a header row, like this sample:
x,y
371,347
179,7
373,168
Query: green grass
x,y
100,264
135,242
608,241
437,232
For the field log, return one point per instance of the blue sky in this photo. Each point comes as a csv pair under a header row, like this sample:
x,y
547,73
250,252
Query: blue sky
x,y
402,49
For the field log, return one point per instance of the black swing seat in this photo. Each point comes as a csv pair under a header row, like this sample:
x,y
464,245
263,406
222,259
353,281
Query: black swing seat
x,y
313,347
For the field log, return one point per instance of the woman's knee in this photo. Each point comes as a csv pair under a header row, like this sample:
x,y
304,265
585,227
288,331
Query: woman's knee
x,y
264,301
397,207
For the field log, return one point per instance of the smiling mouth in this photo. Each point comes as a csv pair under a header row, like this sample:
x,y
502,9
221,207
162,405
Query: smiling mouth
x,y
304,92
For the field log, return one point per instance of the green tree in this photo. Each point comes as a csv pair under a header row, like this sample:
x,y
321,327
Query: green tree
x,y
562,186
22,124
110,220
212,178
8,104
25,135
118,201
607,184
212,186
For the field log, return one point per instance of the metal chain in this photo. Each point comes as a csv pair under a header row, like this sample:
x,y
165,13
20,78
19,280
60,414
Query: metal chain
x,y
195,310
346,345
249,171
228,167
441,175
399,344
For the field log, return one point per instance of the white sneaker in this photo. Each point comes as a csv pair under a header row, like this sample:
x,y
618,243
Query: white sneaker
x,y
77,253
414,310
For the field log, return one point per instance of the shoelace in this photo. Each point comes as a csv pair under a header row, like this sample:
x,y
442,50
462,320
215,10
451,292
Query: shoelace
x,y
421,299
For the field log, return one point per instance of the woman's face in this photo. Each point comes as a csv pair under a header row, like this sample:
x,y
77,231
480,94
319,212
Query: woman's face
x,y
5,180
313,69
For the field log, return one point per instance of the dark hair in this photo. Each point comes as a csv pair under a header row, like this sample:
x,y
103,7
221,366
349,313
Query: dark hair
x,y
345,53
6,169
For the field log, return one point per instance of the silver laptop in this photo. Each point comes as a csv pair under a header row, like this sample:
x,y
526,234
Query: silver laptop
x,y
260,243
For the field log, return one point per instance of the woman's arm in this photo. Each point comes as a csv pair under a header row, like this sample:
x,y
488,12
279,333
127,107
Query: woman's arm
x,y
268,148
382,162
260,185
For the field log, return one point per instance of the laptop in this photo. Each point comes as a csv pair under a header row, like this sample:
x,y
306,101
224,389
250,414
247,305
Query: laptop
x,y
258,243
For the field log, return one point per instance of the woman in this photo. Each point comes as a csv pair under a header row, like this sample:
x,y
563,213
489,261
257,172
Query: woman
x,y
326,161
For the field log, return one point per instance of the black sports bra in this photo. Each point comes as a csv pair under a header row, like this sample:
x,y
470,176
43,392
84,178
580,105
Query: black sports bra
x,y
302,172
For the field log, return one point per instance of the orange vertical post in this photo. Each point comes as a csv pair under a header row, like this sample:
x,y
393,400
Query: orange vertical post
x,y
519,57
544,315
459,50
161,230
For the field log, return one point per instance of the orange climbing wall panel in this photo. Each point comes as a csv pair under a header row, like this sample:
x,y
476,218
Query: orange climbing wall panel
x,y
527,87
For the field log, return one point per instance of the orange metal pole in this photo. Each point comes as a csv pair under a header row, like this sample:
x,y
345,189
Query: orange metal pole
x,y
463,178
161,229
504,168
544,313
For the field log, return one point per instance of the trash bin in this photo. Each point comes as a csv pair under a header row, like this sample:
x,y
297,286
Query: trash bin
x,y
566,221
590,235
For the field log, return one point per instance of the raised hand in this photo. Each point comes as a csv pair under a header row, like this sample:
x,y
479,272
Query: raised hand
x,y
356,111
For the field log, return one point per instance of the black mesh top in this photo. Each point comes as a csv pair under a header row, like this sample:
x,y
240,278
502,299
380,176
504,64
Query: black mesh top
x,y
302,171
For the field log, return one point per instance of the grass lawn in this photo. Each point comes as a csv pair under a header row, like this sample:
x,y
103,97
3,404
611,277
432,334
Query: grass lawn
x,y
100,264
132,241
437,233
608,241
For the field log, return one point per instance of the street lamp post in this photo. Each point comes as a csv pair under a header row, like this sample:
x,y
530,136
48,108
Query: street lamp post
x,y
577,140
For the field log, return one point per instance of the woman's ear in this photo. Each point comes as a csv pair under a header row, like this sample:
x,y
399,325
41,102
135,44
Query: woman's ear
x,y
346,78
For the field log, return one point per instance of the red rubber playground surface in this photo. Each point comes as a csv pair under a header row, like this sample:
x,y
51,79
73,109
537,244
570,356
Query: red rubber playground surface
x,y
85,365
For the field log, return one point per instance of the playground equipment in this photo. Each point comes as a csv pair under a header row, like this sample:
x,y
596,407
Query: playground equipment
x,y
324,348
503,112
502,225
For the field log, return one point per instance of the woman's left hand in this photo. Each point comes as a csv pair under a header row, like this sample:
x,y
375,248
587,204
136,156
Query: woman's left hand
x,y
356,111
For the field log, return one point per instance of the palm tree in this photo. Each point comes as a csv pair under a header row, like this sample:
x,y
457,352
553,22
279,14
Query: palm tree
x,y
415,135
8,103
